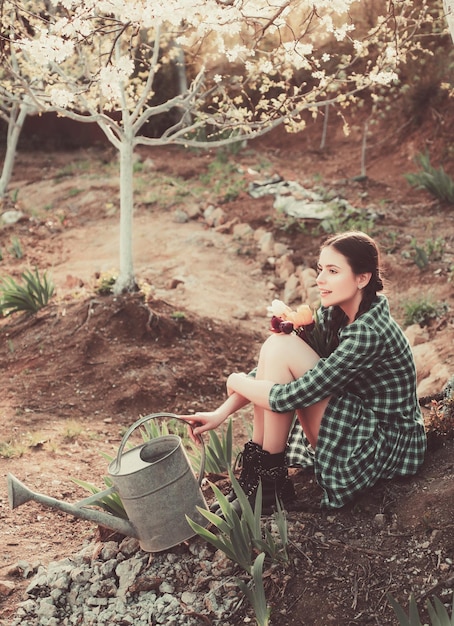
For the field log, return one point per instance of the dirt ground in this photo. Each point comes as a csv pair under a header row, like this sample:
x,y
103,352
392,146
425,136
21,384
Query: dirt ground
x,y
74,376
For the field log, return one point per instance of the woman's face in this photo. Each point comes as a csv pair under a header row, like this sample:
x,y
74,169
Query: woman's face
x,y
338,284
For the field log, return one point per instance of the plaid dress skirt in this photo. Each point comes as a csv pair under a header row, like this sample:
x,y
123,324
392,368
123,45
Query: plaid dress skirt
x,y
353,454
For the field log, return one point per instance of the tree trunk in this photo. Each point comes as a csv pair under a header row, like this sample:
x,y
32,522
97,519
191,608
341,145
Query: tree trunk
x,y
15,123
126,281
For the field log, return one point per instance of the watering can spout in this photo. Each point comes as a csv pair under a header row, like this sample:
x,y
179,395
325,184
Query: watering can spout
x,y
18,494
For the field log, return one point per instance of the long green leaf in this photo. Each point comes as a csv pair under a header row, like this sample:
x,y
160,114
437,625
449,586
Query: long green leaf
x,y
438,614
256,593
206,534
401,615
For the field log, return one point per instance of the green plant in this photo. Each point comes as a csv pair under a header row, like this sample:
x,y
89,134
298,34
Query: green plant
x,y
16,248
73,168
72,431
12,449
255,592
288,224
346,217
224,178
36,440
31,297
163,191
178,315
158,428
420,257
422,312
435,180
431,250
437,612
105,284
242,539
74,192
108,499
218,451
392,237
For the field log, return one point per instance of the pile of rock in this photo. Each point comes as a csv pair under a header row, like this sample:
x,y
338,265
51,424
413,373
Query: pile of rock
x,y
117,583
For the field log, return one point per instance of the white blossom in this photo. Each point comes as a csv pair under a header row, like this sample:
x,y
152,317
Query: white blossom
x,y
47,49
61,98
341,32
114,76
338,6
296,54
383,77
235,53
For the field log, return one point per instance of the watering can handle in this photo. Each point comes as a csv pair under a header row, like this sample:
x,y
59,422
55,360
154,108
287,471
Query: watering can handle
x,y
142,421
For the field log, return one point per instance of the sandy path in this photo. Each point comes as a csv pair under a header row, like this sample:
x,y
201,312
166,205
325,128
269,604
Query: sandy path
x,y
215,280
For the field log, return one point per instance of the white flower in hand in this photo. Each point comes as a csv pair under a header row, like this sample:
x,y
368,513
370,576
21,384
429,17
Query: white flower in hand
x,y
279,308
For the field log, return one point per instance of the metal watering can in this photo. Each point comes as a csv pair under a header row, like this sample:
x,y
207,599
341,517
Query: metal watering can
x,y
156,485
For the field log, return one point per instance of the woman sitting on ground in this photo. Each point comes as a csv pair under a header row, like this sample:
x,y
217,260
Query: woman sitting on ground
x,y
356,407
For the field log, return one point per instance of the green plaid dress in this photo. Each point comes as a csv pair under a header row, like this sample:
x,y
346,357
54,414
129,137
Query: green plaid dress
x,y
372,428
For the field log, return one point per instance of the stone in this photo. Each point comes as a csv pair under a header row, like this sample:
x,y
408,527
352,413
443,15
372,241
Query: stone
x,y
380,520
416,335
425,356
308,277
313,297
242,231
6,587
280,249
214,217
166,587
434,383
266,244
193,211
109,551
12,216
285,266
180,216
292,291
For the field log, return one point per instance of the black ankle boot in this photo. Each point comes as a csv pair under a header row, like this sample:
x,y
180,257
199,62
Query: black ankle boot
x,y
249,459
276,484
271,471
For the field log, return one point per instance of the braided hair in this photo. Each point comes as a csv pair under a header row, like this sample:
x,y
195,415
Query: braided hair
x,y
363,256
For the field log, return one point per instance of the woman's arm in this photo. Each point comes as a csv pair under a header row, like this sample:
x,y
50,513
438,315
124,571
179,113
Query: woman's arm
x,y
208,420
256,391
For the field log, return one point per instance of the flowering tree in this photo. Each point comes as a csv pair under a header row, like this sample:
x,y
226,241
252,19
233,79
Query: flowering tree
x,y
14,106
247,66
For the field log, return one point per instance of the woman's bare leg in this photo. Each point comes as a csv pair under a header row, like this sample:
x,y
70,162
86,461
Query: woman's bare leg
x,y
284,358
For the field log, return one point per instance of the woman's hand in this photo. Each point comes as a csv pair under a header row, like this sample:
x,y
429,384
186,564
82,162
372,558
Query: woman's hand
x,y
203,421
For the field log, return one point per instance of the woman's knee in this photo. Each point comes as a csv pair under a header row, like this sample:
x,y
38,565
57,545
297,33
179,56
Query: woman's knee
x,y
287,352
276,344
